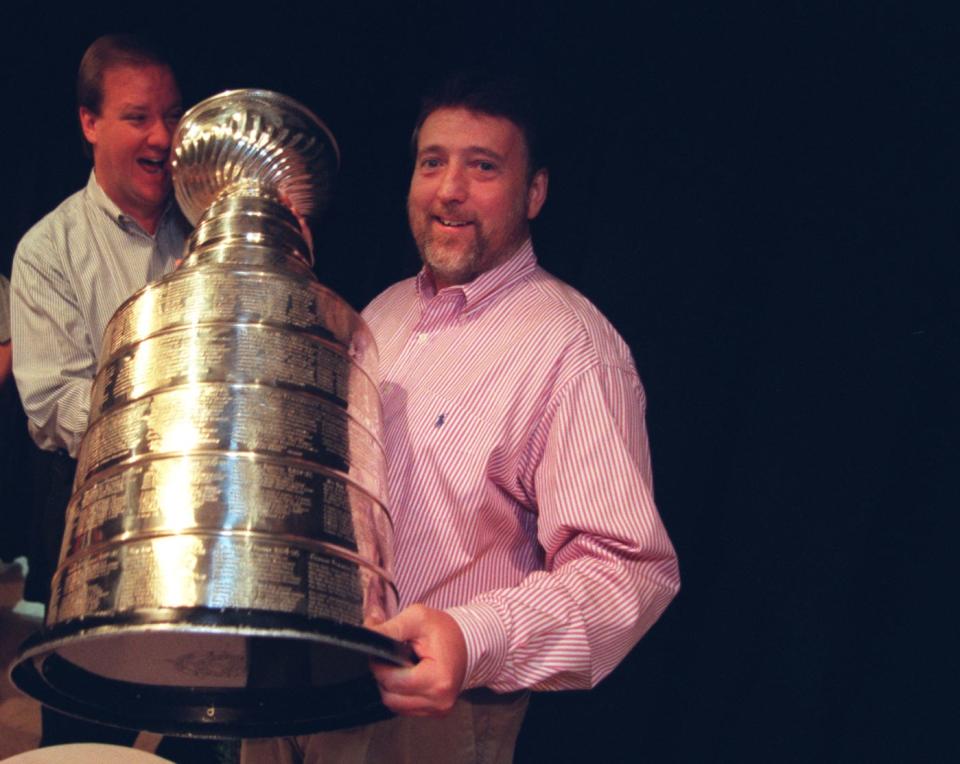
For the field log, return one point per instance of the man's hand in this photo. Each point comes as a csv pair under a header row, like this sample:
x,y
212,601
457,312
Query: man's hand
x,y
431,687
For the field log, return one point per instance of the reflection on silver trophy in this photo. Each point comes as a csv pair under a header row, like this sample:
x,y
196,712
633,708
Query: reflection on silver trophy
x,y
228,535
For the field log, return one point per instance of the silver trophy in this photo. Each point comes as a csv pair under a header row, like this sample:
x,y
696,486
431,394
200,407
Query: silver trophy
x,y
228,537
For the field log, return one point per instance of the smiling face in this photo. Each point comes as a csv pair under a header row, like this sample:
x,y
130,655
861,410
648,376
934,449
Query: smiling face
x,y
470,200
131,139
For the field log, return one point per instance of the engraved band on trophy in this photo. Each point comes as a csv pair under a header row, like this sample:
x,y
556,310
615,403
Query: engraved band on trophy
x,y
228,535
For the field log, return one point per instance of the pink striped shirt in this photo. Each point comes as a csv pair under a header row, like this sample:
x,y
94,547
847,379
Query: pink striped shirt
x,y
519,474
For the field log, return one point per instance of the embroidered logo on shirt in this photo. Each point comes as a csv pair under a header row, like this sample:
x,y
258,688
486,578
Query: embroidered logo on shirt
x,y
440,420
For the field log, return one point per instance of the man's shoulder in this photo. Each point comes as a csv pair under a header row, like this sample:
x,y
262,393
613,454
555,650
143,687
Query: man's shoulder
x,y
52,228
569,312
561,297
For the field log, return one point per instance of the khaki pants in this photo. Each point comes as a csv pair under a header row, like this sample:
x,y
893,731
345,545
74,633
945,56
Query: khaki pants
x,y
481,728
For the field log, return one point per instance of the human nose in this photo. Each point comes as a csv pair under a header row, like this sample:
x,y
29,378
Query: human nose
x,y
453,185
161,134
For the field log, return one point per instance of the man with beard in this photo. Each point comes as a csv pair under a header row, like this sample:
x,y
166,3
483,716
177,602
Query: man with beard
x,y
529,551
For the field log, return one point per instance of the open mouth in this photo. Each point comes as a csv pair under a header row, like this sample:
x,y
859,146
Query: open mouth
x,y
452,223
152,165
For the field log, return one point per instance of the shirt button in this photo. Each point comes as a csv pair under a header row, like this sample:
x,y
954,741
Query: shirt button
x,y
422,338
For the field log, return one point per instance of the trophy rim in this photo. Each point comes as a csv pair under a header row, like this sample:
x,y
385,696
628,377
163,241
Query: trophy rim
x,y
202,711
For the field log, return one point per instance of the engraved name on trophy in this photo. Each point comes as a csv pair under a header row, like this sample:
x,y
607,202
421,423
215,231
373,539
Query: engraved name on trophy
x,y
228,535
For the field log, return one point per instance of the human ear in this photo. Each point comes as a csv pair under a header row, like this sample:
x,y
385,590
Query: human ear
x,y
88,124
537,193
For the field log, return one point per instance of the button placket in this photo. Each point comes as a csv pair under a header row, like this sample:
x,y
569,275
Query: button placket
x,y
440,311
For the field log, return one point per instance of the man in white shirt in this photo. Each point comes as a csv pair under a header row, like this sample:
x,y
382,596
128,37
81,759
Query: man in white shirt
x,y
74,268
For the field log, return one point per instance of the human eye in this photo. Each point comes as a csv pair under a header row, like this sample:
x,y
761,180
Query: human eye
x,y
429,163
485,166
135,118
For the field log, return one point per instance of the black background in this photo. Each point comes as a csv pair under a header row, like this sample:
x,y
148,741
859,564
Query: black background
x,y
763,199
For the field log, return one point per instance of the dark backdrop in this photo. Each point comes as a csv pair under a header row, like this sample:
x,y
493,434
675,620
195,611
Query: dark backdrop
x,y
762,198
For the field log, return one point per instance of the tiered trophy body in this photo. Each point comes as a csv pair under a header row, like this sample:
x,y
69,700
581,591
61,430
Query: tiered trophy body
x,y
228,535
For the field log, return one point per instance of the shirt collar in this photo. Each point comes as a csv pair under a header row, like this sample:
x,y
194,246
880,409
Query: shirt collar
x,y
486,286
100,199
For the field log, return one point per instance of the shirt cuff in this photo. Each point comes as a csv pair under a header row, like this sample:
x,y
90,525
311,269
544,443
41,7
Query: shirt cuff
x,y
486,641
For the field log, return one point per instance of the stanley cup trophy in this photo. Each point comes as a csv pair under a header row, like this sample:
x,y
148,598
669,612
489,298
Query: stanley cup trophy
x,y
228,536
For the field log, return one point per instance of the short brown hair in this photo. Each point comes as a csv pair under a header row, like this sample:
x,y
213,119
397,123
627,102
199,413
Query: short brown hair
x,y
495,94
106,52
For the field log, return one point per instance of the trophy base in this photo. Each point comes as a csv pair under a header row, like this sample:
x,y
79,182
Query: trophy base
x,y
194,672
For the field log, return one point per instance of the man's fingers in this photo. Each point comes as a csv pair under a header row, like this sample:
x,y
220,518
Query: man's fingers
x,y
389,629
405,626
404,692
393,678
432,686
423,680
411,705
404,680
374,616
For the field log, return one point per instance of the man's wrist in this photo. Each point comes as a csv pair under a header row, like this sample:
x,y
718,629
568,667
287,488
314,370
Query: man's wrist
x,y
486,642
